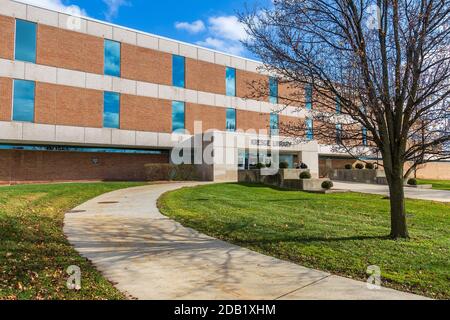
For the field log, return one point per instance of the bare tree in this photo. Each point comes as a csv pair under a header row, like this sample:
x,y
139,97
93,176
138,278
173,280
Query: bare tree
x,y
380,75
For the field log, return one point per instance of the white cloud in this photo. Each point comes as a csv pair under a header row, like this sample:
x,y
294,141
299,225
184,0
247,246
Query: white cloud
x,y
113,7
227,27
232,47
57,5
194,27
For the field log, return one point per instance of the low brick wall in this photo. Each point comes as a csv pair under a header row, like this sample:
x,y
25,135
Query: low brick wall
x,y
19,166
361,176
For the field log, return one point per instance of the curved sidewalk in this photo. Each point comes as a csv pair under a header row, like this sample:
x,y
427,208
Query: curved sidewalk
x,y
149,256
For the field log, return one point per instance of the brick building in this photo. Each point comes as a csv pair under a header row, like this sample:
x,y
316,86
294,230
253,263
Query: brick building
x,y
82,99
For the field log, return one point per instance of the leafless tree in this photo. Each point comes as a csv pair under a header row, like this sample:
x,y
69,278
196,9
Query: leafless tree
x,y
380,75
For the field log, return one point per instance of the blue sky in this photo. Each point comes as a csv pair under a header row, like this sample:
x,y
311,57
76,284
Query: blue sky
x,y
207,23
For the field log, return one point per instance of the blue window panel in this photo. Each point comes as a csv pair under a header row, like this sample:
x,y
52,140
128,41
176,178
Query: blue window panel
x,y
178,71
338,106
364,136
111,110
309,129
308,97
178,117
23,101
274,123
273,90
231,120
231,82
25,41
54,148
112,58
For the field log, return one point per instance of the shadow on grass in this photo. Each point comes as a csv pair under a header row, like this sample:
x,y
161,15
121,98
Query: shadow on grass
x,y
313,239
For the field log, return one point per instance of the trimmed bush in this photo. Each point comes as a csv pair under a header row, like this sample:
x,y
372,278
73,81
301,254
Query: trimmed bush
x,y
359,166
260,166
304,166
412,182
305,175
370,166
284,165
348,166
327,185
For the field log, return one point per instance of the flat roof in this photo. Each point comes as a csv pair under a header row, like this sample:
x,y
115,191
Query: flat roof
x,y
135,30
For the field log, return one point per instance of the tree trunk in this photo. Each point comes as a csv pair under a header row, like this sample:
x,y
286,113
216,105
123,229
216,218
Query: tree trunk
x,y
399,228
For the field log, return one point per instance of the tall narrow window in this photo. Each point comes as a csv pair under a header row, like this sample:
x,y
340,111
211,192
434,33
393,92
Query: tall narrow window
x,y
111,110
231,120
178,71
231,82
273,90
23,101
178,109
309,129
339,133
25,41
338,106
112,58
364,136
309,97
274,123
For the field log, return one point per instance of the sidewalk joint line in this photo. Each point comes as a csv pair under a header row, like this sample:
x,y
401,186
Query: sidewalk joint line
x,y
305,286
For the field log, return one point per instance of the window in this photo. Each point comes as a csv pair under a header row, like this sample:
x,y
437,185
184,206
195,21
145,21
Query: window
x,y
274,123
111,110
339,133
178,71
231,82
231,119
177,116
364,136
309,129
25,41
273,90
112,58
23,101
338,106
308,96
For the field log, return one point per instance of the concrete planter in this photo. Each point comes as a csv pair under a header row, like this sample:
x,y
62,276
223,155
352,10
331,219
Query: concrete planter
x,y
360,176
305,184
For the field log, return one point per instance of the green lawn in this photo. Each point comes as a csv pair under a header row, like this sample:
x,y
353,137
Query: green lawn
x,y
34,254
437,184
339,233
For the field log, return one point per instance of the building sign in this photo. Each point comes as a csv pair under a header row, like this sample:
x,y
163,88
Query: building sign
x,y
266,143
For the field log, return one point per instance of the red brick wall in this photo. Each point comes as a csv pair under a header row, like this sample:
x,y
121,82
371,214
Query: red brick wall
x,y
7,37
39,166
146,65
145,114
70,106
5,99
246,120
70,50
204,76
249,84
211,117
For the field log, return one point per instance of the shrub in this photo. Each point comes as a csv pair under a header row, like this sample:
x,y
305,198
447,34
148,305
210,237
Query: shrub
x,y
412,182
304,166
359,166
348,166
370,166
327,185
260,166
284,165
305,175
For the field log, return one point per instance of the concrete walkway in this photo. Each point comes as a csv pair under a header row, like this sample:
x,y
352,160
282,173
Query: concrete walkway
x,y
410,193
149,256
